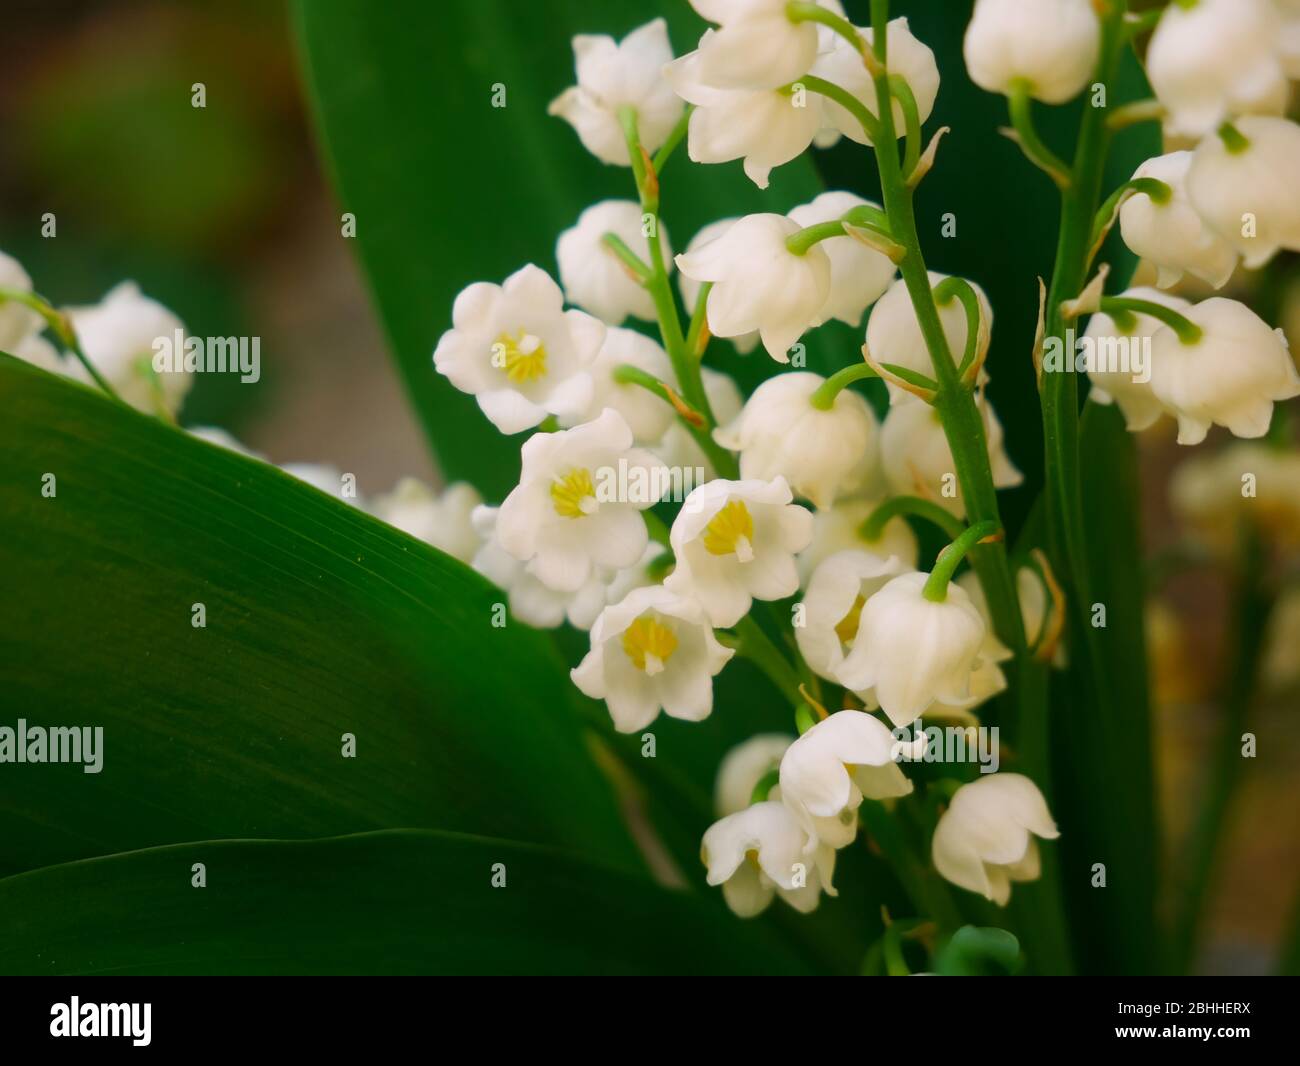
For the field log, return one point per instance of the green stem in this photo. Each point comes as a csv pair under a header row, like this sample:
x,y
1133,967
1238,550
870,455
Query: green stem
x,y
911,120
1157,190
674,139
756,646
698,321
873,527
58,322
936,585
629,258
824,397
803,11
963,290
799,243
1233,139
855,107
1020,107
1188,331
765,785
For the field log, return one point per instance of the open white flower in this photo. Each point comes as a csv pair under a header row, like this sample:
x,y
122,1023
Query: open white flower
x,y
118,334
1247,194
828,771
839,528
1050,44
764,127
612,76
917,460
985,839
36,350
908,57
517,350
833,602
735,542
1213,60
756,45
912,652
1172,236
1138,403
443,520
894,334
743,767
17,321
761,851
690,288
859,273
593,276
1230,377
822,454
647,414
679,450
574,507
652,650
759,284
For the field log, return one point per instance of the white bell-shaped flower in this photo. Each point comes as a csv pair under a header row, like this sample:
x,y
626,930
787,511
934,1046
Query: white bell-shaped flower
x,y
822,454
1245,194
911,652
759,284
839,528
832,606
1216,59
1172,236
121,335
648,415
756,45
690,288
579,500
1051,45
593,276
743,767
517,350
764,127
735,542
17,321
1111,383
894,334
917,460
612,76
1230,376
985,839
681,451
652,650
761,851
443,520
859,274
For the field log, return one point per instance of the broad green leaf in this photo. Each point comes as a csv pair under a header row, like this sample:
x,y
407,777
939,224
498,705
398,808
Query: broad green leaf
x,y
320,621
396,902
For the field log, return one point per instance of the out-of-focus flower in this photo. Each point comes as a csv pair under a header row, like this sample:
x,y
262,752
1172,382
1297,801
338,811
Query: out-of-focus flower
x,y
594,278
327,479
1051,45
443,520
1247,481
17,321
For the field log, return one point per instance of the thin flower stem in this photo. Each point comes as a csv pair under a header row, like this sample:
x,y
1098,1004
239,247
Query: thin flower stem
x,y
873,527
804,11
675,137
911,119
756,646
1021,109
824,397
696,333
1188,331
629,258
58,322
799,243
936,585
1157,190
963,290
855,107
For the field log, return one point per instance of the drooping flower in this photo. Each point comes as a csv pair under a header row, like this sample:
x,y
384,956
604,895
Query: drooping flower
x,y
985,839
517,350
17,321
822,454
652,650
1172,235
735,542
647,414
859,273
612,76
743,767
443,520
756,45
759,284
1051,45
1230,376
690,288
839,528
1245,193
1213,60
594,278
578,502
832,606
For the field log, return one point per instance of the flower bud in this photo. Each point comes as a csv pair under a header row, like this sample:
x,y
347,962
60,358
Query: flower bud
x,y
1050,44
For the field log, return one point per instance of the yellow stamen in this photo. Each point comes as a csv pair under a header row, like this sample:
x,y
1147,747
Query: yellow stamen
x,y
573,494
731,530
649,644
847,627
522,356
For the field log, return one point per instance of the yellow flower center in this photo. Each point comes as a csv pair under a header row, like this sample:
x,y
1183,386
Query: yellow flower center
x,y
649,644
522,356
731,530
573,495
847,627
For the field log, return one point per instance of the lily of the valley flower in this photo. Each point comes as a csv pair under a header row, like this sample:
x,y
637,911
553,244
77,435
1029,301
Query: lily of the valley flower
x,y
565,517
832,606
517,350
743,767
17,321
652,650
443,520
912,652
1051,45
1213,494
759,284
761,851
690,288
839,528
612,76
756,45
594,278
1242,191
822,454
1216,59
647,414
1171,235
859,273
1230,376
735,542
985,839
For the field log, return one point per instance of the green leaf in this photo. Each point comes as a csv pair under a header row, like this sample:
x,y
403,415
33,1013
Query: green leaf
x,y
396,902
979,952
320,621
